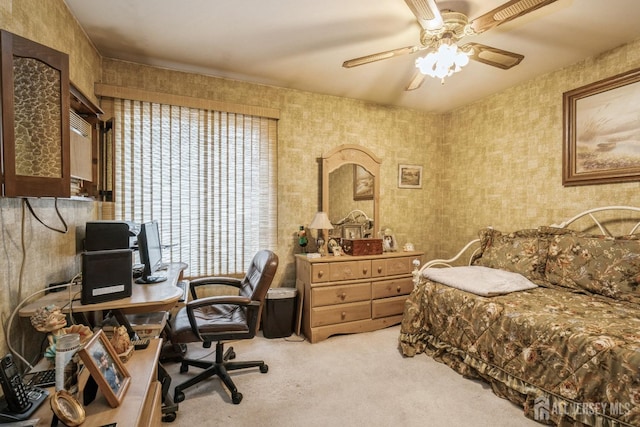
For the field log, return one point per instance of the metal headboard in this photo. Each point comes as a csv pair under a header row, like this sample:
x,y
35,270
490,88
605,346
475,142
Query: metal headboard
x,y
588,213
597,222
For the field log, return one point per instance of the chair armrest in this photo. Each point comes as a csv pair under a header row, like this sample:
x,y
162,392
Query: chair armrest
x,y
217,300
212,281
252,309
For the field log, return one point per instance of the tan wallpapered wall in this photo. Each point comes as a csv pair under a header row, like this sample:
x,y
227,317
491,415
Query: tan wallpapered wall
x,y
32,255
502,157
310,125
497,161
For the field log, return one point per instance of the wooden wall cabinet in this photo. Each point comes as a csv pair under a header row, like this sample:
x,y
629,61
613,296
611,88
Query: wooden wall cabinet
x,y
351,294
34,84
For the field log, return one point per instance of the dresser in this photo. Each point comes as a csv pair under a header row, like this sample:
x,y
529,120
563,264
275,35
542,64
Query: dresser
x,y
351,294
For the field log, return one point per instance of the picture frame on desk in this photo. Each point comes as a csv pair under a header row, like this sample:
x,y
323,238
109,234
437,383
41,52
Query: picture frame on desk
x,y
352,231
106,368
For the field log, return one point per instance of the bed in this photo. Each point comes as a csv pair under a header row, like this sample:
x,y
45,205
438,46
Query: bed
x,y
564,343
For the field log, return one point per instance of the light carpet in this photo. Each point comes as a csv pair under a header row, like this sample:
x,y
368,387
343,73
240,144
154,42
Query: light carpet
x,y
346,380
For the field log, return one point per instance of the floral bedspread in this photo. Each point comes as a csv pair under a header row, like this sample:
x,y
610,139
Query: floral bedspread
x,y
568,358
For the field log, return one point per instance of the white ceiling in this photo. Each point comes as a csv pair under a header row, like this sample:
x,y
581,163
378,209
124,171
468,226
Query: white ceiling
x,y
301,44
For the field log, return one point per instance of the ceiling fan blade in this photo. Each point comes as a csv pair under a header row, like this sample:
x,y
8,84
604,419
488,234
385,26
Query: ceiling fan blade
x,y
427,13
416,81
381,55
492,56
505,13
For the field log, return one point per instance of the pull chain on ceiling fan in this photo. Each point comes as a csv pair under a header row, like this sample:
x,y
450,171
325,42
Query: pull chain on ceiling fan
x,y
441,32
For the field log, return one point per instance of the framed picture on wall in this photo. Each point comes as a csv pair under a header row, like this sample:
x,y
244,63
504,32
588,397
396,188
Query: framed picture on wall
x,y
409,176
602,131
362,183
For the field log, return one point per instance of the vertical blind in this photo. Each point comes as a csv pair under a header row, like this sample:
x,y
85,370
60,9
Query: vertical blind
x,y
207,177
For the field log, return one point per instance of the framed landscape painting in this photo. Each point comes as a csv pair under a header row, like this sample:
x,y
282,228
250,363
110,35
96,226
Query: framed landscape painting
x,y
602,131
362,183
409,176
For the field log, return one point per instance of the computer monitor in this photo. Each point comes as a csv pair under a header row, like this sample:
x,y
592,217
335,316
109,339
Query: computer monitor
x,y
150,252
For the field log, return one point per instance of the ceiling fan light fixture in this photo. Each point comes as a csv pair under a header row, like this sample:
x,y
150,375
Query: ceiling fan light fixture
x,y
443,62
443,29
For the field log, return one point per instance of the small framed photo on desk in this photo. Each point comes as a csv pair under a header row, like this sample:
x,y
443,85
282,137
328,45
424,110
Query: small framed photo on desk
x,y
106,368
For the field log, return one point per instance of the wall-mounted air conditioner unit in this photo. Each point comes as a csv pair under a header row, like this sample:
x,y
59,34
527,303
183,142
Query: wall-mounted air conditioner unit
x,y
81,155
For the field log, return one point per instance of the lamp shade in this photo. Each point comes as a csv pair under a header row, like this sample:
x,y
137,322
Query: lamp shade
x,y
321,222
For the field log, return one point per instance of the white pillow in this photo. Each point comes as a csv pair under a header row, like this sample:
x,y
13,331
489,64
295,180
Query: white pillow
x,y
480,280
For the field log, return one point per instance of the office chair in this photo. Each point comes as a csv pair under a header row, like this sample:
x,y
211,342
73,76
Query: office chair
x,y
224,318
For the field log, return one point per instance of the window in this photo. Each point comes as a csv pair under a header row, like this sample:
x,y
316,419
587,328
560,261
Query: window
x,y
208,178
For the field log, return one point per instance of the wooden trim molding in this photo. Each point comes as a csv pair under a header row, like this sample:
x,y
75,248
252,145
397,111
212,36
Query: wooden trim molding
x,y
112,91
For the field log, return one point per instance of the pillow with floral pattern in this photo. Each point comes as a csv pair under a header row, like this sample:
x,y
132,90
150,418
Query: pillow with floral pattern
x,y
520,252
609,266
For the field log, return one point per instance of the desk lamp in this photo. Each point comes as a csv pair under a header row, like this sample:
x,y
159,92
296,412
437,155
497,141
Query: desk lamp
x,y
321,222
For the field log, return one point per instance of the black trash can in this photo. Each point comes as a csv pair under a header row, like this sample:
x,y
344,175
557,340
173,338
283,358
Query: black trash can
x,y
278,312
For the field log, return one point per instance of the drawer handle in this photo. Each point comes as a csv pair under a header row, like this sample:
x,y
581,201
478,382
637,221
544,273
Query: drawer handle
x,y
379,269
343,315
343,296
320,273
398,289
365,270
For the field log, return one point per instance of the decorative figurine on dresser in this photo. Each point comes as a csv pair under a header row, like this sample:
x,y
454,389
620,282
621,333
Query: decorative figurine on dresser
x,y
302,239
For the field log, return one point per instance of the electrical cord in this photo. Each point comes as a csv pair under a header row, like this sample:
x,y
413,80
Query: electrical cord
x,y
73,298
55,204
7,331
64,230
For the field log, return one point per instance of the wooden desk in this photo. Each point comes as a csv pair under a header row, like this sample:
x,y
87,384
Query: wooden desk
x,y
160,296
144,397
141,405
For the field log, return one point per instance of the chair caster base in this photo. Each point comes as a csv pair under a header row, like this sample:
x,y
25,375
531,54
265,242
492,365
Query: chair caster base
x,y
169,418
264,369
229,354
178,396
236,398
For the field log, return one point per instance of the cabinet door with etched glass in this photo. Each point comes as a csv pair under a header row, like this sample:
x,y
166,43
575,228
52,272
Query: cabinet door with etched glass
x,y
35,118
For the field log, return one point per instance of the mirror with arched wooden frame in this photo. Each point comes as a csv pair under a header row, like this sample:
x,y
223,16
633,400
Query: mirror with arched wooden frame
x,y
341,162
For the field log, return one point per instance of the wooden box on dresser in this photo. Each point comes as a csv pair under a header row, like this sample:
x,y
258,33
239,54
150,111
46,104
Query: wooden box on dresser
x,y
350,294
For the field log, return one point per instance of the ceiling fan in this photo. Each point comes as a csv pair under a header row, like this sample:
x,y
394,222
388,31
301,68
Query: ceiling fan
x,y
441,31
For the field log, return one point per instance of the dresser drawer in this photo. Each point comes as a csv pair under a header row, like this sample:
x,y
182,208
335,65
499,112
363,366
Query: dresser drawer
x,y
320,272
391,288
350,270
387,306
340,294
392,266
330,315
352,294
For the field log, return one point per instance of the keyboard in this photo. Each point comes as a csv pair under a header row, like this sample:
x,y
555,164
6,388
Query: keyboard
x,y
41,379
